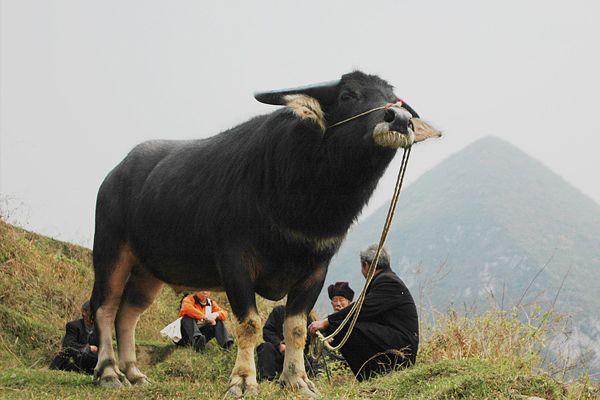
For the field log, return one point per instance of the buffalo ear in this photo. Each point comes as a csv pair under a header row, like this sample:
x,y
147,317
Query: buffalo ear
x,y
325,93
424,130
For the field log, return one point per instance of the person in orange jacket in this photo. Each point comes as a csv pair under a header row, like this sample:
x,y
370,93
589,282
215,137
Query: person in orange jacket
x,y
201,320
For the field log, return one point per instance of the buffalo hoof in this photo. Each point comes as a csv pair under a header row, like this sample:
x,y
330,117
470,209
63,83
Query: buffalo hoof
x,y
141,381
301,384
240,387
110,377
110,382
134,375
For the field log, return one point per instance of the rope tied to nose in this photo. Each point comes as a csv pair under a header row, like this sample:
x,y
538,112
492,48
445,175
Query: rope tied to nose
x,y
398,103
355,310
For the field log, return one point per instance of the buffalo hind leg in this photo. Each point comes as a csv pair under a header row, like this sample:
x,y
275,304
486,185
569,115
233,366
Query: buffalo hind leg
x,y
110,279
140,291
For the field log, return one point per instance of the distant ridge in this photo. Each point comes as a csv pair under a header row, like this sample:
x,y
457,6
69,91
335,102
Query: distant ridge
x,y
493,217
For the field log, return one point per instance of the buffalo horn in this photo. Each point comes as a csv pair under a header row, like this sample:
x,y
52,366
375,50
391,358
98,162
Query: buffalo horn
x,y
324,92
410,110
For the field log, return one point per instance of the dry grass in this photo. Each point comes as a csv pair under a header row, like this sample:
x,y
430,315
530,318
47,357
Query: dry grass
x,y
496,336
43,282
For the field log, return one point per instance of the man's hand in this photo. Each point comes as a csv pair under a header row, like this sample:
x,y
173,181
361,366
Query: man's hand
x,y
281,347
93,349
211,318
318,326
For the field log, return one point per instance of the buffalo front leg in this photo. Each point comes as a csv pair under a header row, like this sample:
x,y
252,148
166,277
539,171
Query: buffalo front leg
x,y
239,268
294,375
300,301
243,376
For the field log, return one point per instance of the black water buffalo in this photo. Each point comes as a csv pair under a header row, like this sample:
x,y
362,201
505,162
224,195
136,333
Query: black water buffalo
x,y
260,208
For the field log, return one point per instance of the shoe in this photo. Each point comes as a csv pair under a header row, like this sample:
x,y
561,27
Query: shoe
x,y
199,343
228,345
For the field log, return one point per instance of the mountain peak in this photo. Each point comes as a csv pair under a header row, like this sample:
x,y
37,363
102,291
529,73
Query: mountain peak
x,y
490,140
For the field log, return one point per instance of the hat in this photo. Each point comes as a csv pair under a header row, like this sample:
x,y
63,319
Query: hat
x,y
340,289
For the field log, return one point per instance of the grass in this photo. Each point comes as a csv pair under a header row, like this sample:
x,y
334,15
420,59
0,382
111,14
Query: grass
x,y
43,283
190,375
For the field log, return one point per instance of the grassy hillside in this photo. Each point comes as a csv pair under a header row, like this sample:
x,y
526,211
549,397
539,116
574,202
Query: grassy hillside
x,y
44,281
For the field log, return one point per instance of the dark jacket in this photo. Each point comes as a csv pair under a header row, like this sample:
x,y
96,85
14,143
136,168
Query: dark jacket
x,y
273,329
77,337
388,316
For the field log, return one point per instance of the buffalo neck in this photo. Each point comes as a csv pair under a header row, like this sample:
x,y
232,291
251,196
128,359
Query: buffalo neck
x,y
321,187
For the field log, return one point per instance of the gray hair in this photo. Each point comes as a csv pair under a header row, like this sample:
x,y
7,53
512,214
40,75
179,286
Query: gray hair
x,y
368,255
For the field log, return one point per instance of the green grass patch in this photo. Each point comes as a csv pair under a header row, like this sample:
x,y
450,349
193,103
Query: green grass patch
x,y
188,375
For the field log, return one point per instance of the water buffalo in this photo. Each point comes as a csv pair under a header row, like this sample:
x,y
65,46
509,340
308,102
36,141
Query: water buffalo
x,y
260,208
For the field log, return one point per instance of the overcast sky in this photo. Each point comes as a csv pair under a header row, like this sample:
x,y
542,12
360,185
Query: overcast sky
x,y
82,82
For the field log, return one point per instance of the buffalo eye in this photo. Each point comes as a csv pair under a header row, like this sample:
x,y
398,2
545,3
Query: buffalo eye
x,y
348,96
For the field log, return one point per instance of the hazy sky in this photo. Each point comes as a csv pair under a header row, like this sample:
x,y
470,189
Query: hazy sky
x,y
82,82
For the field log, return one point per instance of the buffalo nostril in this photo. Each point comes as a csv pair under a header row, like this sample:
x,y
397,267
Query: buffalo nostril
x,y
389,116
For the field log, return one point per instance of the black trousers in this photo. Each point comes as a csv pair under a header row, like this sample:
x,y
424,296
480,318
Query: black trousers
x,y
75,360
366,358
190,329
270,361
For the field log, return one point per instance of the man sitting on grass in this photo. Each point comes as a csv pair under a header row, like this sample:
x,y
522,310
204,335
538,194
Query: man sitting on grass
x,y
79,346
202,319
386,334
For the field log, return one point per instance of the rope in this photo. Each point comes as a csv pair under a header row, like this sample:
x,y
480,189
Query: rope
x,y
388,105
355,310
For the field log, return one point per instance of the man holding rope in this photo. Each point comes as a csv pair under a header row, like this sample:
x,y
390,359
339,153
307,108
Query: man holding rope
x,y
386,334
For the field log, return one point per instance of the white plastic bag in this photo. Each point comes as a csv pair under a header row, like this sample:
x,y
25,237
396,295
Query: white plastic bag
x,y
172,331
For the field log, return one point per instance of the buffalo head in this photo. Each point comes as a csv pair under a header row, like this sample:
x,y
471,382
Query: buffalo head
x,y
363,105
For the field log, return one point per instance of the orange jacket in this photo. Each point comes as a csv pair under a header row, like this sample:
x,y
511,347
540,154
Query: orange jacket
x,y
197,311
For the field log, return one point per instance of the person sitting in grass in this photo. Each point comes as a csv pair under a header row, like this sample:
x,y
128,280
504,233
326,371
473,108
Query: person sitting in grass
x,y
201,320
386,334
270,354
79,345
